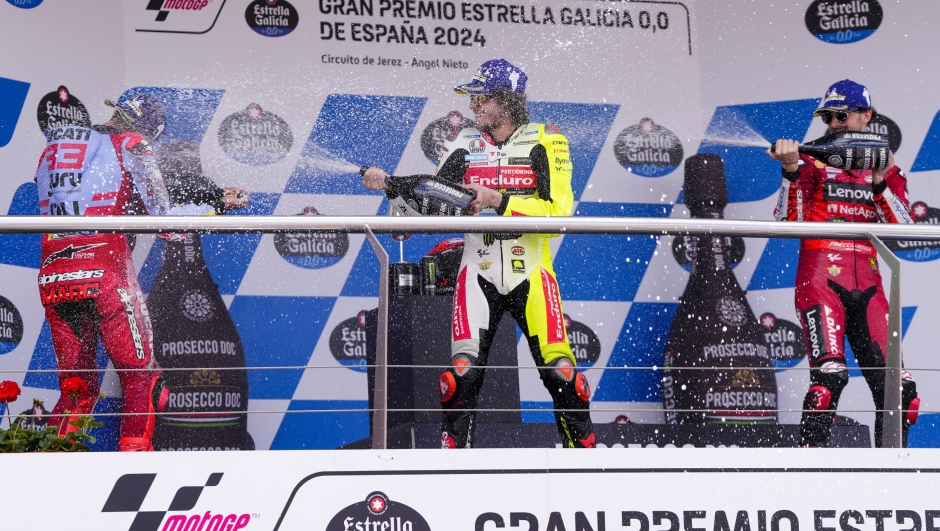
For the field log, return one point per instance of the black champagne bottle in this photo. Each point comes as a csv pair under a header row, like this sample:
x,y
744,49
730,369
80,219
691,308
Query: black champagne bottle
x,y
716,363
197,344
849,150
427,195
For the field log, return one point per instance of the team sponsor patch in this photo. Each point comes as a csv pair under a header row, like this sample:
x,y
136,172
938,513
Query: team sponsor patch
x,y
81,274
518,266
835,270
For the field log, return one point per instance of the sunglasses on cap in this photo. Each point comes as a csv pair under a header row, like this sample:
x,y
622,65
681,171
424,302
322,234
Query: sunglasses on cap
x,y
480,99
841,116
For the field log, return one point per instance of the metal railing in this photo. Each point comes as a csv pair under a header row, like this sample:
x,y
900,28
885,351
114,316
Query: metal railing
x,y
558,225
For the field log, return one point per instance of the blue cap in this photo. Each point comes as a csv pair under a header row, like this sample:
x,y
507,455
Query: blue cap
x,y
845,96
142,112
495,74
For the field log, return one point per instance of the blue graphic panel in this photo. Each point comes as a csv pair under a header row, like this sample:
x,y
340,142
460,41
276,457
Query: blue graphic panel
x,y
777,265
12,98
43,359
317,431
751,174
928,157
188,111
353,131
535,411
278,331
585,125
641,344
22,249
846,36
227,255
595,268
926,433
24,4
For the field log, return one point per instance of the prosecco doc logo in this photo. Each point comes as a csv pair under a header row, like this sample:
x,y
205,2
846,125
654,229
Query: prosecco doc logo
x,y
60,108
255,136
436,133
648,149
378,512
843,21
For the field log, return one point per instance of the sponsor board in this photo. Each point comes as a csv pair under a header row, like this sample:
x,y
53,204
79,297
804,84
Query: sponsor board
x,y
61,108
348,342
843,21
784,340
271,18
918,250
312,250
11,326
648,149
585,345
255,136
436,133
175,16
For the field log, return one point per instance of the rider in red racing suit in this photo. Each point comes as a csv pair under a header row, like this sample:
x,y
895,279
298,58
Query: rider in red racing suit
x,y
838,285
87,281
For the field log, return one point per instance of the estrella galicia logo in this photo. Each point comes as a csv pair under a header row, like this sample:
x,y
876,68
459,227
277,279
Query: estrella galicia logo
x,y
312,250
915,250
271,18
436,133
843,21
784,340
886,127
129,491
255,136
188,16
648,149
378,510
11,326
348,342
24,4
585,345
61,108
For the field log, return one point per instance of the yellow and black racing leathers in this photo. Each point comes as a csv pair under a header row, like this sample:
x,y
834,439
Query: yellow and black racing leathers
x,y
512,272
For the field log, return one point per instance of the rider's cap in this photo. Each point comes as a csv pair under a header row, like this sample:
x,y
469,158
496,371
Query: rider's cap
x,y
844,96
142,112
495,74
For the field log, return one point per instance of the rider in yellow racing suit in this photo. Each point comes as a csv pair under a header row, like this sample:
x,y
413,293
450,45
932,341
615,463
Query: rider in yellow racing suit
x,y
517,169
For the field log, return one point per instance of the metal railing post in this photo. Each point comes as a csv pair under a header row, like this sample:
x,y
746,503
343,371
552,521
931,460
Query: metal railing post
x,y
892,418
380,393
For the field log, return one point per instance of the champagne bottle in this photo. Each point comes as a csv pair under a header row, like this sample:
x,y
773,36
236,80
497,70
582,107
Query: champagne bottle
x,y
426,195
726,370
848,150
193,331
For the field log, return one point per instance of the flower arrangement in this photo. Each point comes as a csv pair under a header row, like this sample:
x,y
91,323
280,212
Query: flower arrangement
x,y
21,439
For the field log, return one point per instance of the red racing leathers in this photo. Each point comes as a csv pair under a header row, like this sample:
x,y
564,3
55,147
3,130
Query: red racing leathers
x,y
87,281
838,287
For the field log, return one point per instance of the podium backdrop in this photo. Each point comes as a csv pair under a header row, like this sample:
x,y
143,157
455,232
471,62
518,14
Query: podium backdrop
x,y
284,98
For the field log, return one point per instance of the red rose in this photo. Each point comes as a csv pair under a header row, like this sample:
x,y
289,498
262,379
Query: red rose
x,y
74,387
8,392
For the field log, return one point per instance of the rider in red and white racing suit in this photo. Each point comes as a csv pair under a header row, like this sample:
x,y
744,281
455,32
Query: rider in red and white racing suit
x,y
838,285
515,168
87,281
